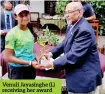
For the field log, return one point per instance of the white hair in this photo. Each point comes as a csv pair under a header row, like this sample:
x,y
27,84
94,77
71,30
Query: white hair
x,y
77,5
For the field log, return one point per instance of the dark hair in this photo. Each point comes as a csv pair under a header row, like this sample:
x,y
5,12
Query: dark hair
x,y
32,31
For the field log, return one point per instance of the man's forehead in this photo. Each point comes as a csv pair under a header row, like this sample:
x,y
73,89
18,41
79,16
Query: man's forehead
x,y
73,5
69,7
8,5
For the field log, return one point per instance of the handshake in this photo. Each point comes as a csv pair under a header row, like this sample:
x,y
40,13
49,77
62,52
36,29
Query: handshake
x,y
45,62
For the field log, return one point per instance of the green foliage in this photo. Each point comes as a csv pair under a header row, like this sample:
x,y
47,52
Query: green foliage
x,y
99,8
53,39
60,6
48,37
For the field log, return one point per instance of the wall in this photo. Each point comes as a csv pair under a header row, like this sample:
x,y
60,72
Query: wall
x,y
37,6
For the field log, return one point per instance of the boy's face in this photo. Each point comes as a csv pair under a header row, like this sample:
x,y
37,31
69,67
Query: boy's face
x,y
23,18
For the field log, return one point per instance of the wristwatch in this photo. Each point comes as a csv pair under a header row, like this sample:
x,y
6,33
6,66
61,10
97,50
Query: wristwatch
x,y
30,63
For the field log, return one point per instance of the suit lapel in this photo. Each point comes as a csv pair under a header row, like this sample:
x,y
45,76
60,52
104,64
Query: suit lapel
x,y
3,19
74,29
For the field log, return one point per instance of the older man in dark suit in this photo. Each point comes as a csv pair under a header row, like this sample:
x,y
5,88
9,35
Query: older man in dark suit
x,y
80,59
7,21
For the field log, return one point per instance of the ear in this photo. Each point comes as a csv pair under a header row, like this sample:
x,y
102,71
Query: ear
x,y
15,16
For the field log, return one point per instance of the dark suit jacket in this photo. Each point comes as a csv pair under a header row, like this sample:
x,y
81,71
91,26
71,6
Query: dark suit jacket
x,y
80,60
3,25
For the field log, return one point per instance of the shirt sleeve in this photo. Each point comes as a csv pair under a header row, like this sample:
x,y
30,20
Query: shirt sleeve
x,y
91,10
10,40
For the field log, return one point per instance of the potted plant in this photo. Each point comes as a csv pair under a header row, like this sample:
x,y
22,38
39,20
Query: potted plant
x,y
48,38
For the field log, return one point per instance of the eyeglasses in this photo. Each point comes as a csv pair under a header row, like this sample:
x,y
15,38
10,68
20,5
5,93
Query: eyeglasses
x,y
68,12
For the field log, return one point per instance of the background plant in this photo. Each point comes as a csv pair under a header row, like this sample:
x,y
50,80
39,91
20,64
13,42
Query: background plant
x,y
60,6
48,37
99,8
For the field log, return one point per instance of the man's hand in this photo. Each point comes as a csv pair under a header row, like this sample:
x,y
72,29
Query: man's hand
x,y
48,64
3,32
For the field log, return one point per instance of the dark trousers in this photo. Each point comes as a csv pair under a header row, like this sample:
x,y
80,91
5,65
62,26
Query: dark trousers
x,y
21,72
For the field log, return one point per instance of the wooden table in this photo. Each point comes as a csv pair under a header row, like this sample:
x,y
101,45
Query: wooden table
x,y
58,22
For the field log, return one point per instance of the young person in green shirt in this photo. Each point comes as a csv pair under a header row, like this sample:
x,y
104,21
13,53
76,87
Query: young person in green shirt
x,y
19,47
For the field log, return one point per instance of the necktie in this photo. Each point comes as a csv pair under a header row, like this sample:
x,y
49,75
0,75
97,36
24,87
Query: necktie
x,y
8,22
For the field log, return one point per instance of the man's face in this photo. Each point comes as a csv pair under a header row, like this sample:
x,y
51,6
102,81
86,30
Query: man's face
x,y
8,6
23,18
71,14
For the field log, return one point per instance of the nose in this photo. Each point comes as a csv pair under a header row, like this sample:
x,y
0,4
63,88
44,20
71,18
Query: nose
x,y
66,16
25,18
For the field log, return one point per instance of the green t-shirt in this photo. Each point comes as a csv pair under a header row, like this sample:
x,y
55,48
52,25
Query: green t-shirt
x,y
22,42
